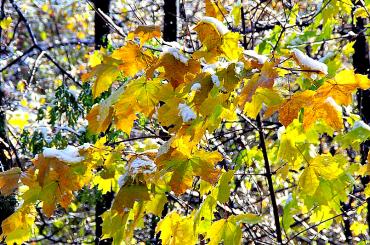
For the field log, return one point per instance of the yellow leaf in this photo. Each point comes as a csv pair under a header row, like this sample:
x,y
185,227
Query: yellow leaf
x,y
323,166
140,96
145,33
9,180
176,68
265,79
327,110
342,87
133,58
106,73
17,228
176,230
358,228
5,23
217,41
215,9
185,164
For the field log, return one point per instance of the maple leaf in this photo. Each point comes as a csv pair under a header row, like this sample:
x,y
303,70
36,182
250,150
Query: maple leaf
x,y
140,96
215,9
9,180
289,109
323,166
228,230
217,41
54,181
264,79
326,110
106,73
177,67
176,230
342,86
128,195
133,58
185,164
17,228
145,33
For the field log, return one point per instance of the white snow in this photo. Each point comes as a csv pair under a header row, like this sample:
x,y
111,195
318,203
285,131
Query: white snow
x,y
215,80
68,155
332,102
142,165
309,62
186,112
239,66
361,124
196,87
253,54
221,28
176,53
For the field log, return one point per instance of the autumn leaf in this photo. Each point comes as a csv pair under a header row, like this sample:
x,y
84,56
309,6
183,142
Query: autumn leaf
x,y
323,166
145,33
185,164
265,79
327,110
177,68
140,96
9,180
176,230
289,109
106,73
133,59
55,180
18,227
128,195
217,41
342,86
215,9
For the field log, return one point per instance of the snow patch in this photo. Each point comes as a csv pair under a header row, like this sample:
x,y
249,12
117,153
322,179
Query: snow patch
x,y
309,62
215,80
142,165
176,53
253,54
69,155
186,112
196,87
221,28
361,124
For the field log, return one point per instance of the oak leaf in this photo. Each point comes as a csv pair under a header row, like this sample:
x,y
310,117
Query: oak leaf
x,y
9,180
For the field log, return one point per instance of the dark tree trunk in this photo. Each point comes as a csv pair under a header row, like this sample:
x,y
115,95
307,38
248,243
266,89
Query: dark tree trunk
x,y
101,28
103,202
170,20
361,64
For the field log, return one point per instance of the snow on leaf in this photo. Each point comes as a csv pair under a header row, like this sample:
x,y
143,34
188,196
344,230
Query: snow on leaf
x,y
307,63
186,112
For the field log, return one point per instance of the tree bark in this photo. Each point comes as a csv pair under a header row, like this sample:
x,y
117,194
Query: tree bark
x,y
103,202
361,64
170,20
101,28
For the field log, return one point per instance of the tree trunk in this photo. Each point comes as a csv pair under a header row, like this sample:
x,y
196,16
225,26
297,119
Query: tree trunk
x,y
361,64
170,20
103,202
101,28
